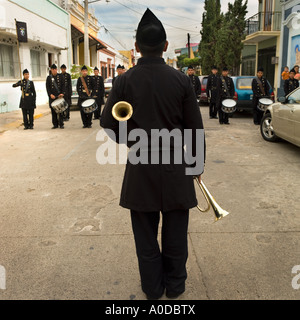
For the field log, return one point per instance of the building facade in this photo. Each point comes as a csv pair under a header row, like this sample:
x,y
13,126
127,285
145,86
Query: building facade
x,y
262,42
48,42
290,40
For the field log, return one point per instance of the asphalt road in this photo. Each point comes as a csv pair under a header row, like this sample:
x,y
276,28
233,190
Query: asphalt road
x,y
64,236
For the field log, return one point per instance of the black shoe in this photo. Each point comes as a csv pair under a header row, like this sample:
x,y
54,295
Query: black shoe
x,y
30,127
54,127
89,126
62,127
215,117
26,128
173,295
226,123
221,122
256,123
84,126
149,297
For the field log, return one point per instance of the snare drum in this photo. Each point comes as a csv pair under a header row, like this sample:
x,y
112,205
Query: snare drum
x,y
263,104
59,105
89,106
228,106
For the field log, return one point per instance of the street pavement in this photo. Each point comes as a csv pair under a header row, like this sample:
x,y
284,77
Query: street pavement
x,y
63,234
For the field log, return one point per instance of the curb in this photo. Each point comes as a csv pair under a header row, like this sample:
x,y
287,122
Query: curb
x,y
19,123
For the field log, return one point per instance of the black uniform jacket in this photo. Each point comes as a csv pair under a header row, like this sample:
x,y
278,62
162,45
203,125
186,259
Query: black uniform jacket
x,y
212,87
83,95
28,97
162,98
257,92
68,86
98,90
196,84
225,87
55,85
290,85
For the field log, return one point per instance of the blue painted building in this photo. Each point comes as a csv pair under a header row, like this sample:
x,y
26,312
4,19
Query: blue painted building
x,y
290,40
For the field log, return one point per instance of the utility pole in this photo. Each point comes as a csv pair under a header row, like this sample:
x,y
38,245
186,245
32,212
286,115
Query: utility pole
x,y
86,33
189,46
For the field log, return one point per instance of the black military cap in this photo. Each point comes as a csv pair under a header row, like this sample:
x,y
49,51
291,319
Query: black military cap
x,y
119,67
214,67
260,69
293,70
122,67
63,66
225,69
190,67
84,68
96,69
150,31
54,66
25,71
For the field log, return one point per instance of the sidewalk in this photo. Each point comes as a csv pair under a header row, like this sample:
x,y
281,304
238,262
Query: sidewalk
x,y
14,119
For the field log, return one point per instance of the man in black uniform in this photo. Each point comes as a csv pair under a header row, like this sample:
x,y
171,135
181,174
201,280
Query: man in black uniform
x,y
28,98
290,84
68,94
85,87
120,71
261,89
56,89
98,92
165,99
225,91
212,92
195,81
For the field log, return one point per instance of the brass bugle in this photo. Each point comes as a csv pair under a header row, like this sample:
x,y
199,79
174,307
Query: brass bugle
x,y
122,111
211,202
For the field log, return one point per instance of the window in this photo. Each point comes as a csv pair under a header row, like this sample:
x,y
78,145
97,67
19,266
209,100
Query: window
x,y
244,83
35,63
8,67
294,97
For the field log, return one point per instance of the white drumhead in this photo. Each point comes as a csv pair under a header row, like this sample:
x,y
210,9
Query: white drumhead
x,y
57,102
229,103
88,103
265,101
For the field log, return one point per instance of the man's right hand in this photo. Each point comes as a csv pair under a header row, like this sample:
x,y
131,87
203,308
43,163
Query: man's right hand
x,y
52,96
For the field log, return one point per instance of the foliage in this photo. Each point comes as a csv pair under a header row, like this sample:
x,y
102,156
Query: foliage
x,y
75,71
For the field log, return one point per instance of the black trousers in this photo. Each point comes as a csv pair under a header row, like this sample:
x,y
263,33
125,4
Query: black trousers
x,y
57,118
67,112
86,118
257,114
223,116
28,117
213,110
165,268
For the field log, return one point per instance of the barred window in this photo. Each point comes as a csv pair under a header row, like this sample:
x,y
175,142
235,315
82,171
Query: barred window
x,y
8,67
35,63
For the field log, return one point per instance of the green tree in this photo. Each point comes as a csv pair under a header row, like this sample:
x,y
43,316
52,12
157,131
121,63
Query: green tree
x,y
180,60
211,23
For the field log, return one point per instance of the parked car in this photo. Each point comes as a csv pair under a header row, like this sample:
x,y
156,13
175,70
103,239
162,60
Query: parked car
x,y
107,86
203,96
243,92
282,119
74,98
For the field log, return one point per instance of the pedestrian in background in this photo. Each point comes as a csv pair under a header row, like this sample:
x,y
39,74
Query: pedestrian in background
x,y
212,92
68,93
290,84
285,73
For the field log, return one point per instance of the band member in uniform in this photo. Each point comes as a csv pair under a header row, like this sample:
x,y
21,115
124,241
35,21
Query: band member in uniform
x,y
290,84
120,71
28,98
99,92
225,91
68,94
85,86
195,81
56,89
260,88
149,189
212,92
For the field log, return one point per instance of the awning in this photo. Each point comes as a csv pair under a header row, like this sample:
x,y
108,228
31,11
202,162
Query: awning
x,y
76,33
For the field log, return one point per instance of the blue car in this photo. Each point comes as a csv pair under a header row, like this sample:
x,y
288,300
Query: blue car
x,y
243,92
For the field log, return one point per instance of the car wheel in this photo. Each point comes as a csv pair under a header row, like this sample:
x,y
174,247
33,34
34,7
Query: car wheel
x,y
266,128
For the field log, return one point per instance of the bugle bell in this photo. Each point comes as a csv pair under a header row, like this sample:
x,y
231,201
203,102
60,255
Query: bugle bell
x,y
122,111
211,202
